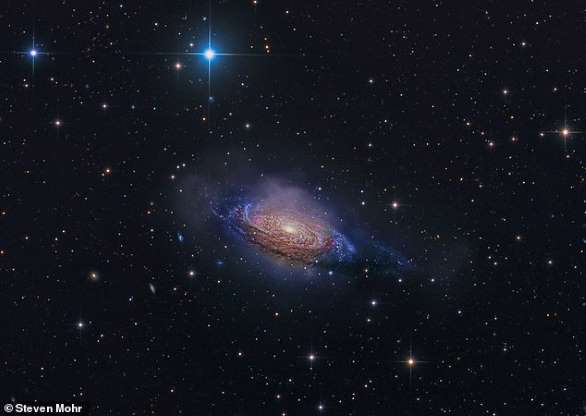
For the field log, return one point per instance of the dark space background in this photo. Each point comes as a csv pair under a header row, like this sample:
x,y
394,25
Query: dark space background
x,y
452,110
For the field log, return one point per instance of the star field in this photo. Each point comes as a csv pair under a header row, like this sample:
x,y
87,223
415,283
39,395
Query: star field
x,y
448,134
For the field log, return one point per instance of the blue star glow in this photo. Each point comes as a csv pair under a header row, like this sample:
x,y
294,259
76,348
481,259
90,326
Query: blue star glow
x,y
209,54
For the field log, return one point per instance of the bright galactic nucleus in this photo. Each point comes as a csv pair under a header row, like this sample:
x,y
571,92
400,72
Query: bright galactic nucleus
x,y
292,235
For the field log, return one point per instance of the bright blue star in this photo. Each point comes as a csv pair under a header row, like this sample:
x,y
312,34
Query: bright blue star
x,y
33,52
209,54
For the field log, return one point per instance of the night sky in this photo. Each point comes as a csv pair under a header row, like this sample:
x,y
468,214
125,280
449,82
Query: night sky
x,y
444,141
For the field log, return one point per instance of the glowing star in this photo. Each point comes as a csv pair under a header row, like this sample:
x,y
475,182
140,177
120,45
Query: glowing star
x,y
565,133
411,362
209,54
33,52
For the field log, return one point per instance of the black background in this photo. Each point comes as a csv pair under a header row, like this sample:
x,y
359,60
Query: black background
x,y
373,102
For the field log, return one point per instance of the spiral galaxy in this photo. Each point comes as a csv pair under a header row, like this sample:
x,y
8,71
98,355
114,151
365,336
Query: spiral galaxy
x,y
286,233
281,225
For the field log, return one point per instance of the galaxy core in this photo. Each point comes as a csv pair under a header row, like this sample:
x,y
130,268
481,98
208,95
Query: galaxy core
x,y
285,233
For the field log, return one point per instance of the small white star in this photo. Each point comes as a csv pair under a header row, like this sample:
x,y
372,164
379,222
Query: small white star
x,y
33,52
